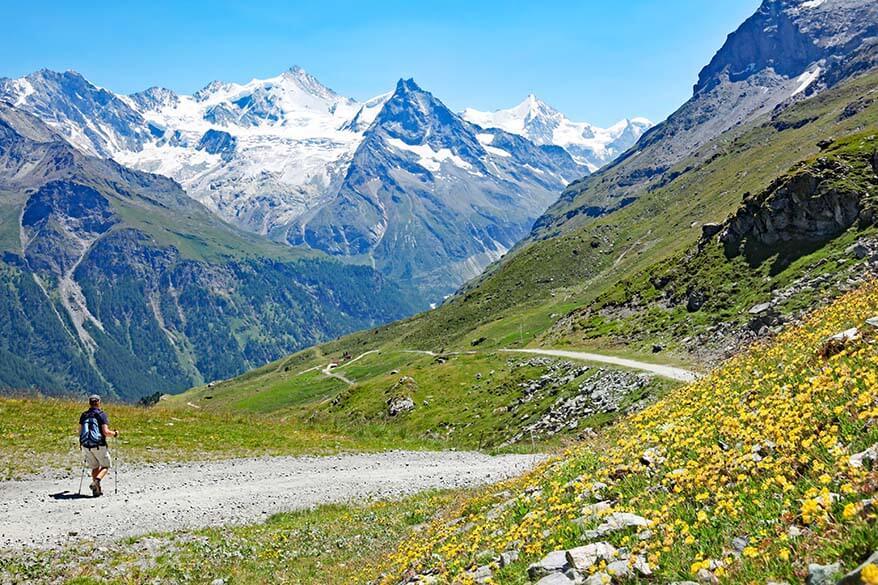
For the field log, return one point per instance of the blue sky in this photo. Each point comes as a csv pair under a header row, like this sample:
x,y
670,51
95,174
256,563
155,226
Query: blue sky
x,y
595,61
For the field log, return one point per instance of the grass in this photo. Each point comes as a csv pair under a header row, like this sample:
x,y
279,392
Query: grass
x,y
40,434
328,545
803,411
460,400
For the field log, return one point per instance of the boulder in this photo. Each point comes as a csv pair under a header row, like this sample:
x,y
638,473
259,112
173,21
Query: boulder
x,y
835,344
554,562
857,250
556,579
619,570
615,522
709,230
582,558
705,576
695,300
865,459
739,543
400,405
508,557
482,574
599,578
822,574
597,508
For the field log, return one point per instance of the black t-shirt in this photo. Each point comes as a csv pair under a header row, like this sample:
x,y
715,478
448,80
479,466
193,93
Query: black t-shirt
x,y
102,420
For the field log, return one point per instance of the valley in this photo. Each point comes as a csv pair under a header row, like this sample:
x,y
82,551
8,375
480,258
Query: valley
x,y
650,352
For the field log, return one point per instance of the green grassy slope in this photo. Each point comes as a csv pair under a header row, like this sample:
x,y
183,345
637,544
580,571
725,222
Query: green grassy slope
x,y
472,401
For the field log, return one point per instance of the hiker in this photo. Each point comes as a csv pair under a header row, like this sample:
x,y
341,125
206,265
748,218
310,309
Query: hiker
x,y
94,428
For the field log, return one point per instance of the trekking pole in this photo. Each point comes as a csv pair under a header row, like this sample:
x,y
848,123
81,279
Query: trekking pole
x,y
116,469
82,474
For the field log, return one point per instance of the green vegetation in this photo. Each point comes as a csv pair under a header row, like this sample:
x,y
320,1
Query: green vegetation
x,y
330,545
40,434
760,450
466,400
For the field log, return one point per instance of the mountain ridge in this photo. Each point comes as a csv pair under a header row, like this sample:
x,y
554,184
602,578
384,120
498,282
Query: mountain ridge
x,y
270,154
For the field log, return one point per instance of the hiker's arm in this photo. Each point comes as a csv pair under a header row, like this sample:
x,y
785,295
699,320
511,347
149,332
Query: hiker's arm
x,y
107,432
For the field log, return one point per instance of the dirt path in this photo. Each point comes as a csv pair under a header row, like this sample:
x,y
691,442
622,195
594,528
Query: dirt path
x,y
664,371
47,513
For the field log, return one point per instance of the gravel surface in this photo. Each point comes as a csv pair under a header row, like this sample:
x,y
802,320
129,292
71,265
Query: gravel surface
x,y
664,371
48,513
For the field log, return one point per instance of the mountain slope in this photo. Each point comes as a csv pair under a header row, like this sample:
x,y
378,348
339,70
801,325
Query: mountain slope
x,y
116,281
787,51
537,121
763,471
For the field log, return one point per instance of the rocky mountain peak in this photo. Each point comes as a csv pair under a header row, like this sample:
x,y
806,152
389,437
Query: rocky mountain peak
x,y
155,98
95,120
789,36
413,115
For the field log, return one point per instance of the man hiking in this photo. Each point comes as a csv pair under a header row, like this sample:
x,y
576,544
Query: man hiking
x,y
94,428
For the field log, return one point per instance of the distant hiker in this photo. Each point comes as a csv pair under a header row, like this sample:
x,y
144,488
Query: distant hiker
x,y
94,428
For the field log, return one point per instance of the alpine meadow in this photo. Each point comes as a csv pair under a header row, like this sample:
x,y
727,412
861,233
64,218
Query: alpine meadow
x,y
264,332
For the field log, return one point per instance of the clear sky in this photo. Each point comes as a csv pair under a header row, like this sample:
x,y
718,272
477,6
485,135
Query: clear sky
x,y
596,61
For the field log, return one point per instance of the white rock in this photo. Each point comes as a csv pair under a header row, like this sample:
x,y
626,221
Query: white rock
x,y
865,459
584,557
555,579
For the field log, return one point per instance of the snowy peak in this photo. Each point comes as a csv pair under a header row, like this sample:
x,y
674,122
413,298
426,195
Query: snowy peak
x,y
155,99
543,124
367,114
290,98
414,116
93,119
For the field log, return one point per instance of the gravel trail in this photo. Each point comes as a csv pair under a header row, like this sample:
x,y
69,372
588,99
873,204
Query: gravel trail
x,y
47,513
671,372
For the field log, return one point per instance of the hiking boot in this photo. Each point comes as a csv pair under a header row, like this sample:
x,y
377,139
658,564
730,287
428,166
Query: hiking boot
x,y
99,491
95,488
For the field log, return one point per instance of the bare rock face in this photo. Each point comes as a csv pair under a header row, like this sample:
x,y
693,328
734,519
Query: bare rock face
x,y
809,205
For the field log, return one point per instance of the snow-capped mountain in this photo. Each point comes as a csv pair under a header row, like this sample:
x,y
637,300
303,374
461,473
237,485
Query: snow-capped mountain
x,y
399,179
589,145
260,153
431,198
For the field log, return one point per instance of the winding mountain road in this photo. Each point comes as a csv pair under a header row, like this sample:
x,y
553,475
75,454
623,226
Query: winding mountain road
x,y
671,372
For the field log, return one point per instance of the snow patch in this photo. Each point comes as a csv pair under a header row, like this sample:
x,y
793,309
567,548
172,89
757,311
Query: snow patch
x,y
427,157
806,79
811,4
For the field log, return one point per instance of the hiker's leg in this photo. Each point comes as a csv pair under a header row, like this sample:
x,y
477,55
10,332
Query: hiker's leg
x,y
101,472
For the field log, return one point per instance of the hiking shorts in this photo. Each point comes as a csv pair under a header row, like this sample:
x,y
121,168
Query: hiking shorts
x,y
97,457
